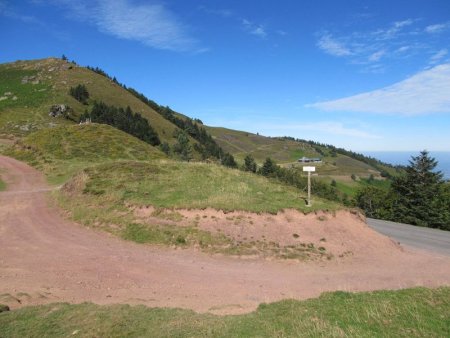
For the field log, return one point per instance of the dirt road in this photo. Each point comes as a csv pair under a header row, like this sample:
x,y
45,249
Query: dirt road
x,y
45,258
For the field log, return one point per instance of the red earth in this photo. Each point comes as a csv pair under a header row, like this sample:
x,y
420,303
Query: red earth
x,y
46,258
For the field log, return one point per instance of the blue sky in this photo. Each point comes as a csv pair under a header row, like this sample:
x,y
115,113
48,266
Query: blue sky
x,y
364,75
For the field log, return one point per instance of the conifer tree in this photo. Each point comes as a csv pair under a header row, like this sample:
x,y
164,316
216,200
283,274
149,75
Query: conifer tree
x,y
228,161
269,168
419,194
249,164
182,147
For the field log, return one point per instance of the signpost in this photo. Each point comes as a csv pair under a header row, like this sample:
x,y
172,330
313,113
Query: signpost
x,y
309,170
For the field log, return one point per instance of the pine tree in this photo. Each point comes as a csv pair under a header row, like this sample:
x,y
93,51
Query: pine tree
x,y
419,194
182,147
228,161
249,164
269,168
80,93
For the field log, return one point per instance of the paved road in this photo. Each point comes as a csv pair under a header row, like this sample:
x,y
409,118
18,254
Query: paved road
x,y
422,238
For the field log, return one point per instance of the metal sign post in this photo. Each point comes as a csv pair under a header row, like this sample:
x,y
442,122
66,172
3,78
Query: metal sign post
x,y
309,170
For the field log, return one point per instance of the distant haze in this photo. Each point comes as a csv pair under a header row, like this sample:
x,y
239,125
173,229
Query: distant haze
x,y
402,158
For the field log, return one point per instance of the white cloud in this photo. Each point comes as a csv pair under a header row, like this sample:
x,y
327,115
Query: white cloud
x,y
254,29
404,23
437,57
151,24
423,93
436,28
403,49
259,31
393,31
332,46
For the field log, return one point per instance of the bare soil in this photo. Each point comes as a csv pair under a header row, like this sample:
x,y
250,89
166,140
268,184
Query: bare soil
x,y
45,258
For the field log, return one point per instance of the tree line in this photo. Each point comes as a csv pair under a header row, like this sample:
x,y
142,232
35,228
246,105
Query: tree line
x,y
420,196
333,151
207,147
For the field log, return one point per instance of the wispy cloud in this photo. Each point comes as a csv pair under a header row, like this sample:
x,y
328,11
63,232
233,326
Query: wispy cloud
x,y
254,29
374,48
423,93
8,11
437,28
393,31
152,24
332,46
438,56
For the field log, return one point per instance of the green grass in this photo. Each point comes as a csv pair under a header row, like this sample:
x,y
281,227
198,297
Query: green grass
x,y
26,94
123,185
2,185
63,150
169,184
415,312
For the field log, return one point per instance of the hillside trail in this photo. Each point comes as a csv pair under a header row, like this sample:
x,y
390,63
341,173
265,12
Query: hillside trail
x,y
45,258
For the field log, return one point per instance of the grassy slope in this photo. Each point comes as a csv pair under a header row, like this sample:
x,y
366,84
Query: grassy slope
x,y
116,170
121,186
241,143
30,111
287,152
407,313
63,150
2,185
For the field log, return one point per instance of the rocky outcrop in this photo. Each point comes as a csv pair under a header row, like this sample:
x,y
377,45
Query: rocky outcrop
x,y
58,110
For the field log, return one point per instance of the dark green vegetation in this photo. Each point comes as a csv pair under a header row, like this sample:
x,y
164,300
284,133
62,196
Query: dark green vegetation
x,y
123,119
407,313
418,197
2,185
80,93
205,145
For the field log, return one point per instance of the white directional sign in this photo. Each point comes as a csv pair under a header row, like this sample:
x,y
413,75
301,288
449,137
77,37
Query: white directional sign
x,y
310,169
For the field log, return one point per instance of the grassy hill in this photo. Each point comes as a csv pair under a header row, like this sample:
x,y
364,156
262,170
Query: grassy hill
x,y
240,144
62,150
36,85
335,166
